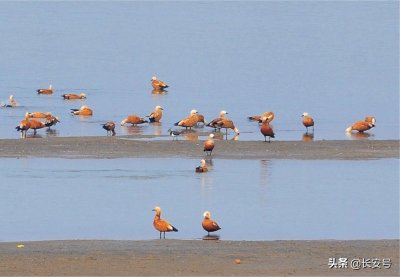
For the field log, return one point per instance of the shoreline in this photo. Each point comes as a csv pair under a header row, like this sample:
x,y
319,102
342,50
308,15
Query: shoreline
x,y
194,257
143,147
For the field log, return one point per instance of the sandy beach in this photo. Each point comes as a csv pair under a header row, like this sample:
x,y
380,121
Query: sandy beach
x,y
196,257
142,146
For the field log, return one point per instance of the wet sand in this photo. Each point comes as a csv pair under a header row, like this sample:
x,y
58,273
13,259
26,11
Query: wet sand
x,y
194,258
125,147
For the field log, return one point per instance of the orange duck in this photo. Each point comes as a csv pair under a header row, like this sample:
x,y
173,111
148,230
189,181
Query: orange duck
x,y
162,225
134,120
213,122
266,130
209,144
190,121
39,115
84,110
73,96
158,84
308,121
156,115
362,126
24,126
48,90
269,115
202,168
208,224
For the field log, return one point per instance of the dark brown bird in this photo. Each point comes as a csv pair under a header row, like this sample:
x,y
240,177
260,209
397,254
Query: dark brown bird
x,y
109,127
266,130
162,225
209,144
208,224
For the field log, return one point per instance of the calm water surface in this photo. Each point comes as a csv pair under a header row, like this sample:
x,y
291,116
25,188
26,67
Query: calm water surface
x,y
43,198
337,60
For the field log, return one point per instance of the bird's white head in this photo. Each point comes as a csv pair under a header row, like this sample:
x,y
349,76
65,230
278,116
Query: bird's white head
x,y
159,108
305,114
206,214
153,78
211,136
192,112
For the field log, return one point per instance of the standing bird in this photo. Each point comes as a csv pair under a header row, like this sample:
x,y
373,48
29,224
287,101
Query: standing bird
x,y
36,124
84,110
134,120
208,224
308,121
162,225
51,120
157,84
209,144
24,126
200,119
190,121
269,115
156,115
226,124
109,127
212,122
48,90
266,130
202,168
362,126
72,96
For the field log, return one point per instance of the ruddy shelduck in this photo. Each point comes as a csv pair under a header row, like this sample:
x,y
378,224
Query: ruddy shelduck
x,y
362,126
226,124
190,121
51,120
266,130
158,84
36,124
269,117
39,115
202,168
208,224
162,225
134,120
84,111
24,126
109,127
200,119
308,121
212,123
48,90
209,144
73,96
156,115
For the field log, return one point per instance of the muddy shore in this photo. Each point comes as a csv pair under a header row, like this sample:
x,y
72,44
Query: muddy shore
x,y
195,258
126,147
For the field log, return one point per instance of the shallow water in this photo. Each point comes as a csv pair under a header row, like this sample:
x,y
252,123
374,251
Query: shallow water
x,y
339,61
45,198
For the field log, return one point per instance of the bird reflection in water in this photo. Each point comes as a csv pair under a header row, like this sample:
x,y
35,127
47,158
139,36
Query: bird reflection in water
x,y
132,130
52,132
308,137
206,180
157,128
359,135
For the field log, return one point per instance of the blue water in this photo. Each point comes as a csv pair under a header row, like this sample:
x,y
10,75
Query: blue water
x,y
337,60
45,198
